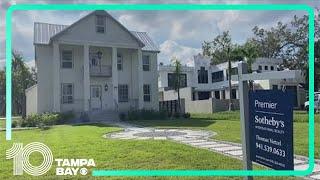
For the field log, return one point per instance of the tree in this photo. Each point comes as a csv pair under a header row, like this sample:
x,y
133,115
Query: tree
x,y
286,41
177,76
22,78
220,51
2,93
317,66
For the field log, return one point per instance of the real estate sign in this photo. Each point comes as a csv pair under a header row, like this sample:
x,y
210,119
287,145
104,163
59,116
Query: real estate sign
x,y
271,128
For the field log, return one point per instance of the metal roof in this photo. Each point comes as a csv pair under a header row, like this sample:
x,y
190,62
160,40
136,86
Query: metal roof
x,y
149,45
44,31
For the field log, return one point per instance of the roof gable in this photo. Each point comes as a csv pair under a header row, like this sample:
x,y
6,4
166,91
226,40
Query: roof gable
x,y
44,33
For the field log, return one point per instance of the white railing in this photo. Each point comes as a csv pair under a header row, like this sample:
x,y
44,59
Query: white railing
x,y
101,71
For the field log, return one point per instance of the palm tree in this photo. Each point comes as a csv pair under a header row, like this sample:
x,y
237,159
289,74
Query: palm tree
x,y
177,75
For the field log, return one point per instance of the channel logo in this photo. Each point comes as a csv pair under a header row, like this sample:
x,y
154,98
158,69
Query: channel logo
x,y
20,156
21,161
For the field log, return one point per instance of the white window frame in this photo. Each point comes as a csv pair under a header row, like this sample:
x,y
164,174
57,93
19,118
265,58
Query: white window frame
x,y
101,25
119,63
123,88
93,93
146,94
65,97
66,60
146,64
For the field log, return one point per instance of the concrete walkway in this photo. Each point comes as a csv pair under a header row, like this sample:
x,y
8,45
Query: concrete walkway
x,y
200,139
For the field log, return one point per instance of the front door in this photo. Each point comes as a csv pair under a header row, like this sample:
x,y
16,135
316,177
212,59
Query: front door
x,y
96,98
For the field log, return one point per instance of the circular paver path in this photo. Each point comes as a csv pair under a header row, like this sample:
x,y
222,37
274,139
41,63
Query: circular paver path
x,y
161,134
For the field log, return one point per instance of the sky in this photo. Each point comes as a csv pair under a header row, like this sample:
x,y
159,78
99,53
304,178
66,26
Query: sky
x,y
177,33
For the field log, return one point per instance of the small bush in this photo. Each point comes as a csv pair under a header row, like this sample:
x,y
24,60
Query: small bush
x,y
46,119
186,115
84,117
65,117
14,124
146,114
122,116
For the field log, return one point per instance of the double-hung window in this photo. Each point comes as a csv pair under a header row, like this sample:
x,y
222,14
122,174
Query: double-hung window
x,y
123,93
66,59
119,62
67,93
146,93
146,63
100,24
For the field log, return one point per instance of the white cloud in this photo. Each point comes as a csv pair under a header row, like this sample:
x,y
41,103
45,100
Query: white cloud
x,y
171,49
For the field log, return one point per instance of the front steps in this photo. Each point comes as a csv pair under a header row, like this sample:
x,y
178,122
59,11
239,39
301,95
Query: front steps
x,y
104,116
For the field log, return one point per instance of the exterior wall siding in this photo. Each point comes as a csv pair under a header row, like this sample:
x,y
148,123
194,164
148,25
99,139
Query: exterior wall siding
x,y
45,79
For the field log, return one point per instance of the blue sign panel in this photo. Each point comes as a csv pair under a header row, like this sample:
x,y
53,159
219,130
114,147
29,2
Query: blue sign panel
x,y
271,128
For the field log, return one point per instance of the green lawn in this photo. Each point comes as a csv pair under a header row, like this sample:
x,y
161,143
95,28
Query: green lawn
x,y
227,125
86,141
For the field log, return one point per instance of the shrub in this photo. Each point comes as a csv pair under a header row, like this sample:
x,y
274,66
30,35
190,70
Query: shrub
x,y
122,116
65,117
133,115
32,120
84,117
186,115
49,119
146,114
46,119
14,124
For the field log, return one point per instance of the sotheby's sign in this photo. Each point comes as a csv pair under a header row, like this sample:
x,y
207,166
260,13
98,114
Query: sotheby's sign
x,y
271,128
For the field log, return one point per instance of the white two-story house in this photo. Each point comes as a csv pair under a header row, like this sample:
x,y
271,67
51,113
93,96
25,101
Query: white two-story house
x,y
94,64
206,80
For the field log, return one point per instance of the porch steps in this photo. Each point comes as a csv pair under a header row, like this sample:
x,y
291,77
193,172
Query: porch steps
x,y
104,116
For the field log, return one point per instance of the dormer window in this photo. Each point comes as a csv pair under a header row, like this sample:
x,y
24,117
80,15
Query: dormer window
x,y
100,24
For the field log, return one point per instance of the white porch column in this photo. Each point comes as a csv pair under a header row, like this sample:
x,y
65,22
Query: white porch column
x,y
86,78
56,77
140,80
115,77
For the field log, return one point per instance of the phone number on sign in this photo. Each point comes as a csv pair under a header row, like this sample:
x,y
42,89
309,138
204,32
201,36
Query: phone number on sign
x,y
269,149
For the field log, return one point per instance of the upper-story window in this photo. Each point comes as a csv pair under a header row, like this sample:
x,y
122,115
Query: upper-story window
x,y
217,76
265,67
100,24
202,76
271,68
66,59
119,62
172,79
146,63
260,68
234,71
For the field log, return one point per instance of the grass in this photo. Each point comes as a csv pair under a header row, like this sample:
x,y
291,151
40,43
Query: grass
x,y
86,141
227,125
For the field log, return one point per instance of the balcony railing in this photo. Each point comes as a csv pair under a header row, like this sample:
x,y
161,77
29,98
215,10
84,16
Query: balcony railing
x,y
105,71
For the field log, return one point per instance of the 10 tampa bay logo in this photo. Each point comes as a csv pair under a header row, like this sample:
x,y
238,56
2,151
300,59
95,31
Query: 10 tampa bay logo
x,y
21,161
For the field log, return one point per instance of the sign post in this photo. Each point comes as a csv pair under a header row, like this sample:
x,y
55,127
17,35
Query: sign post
x,y
244,116
275,133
